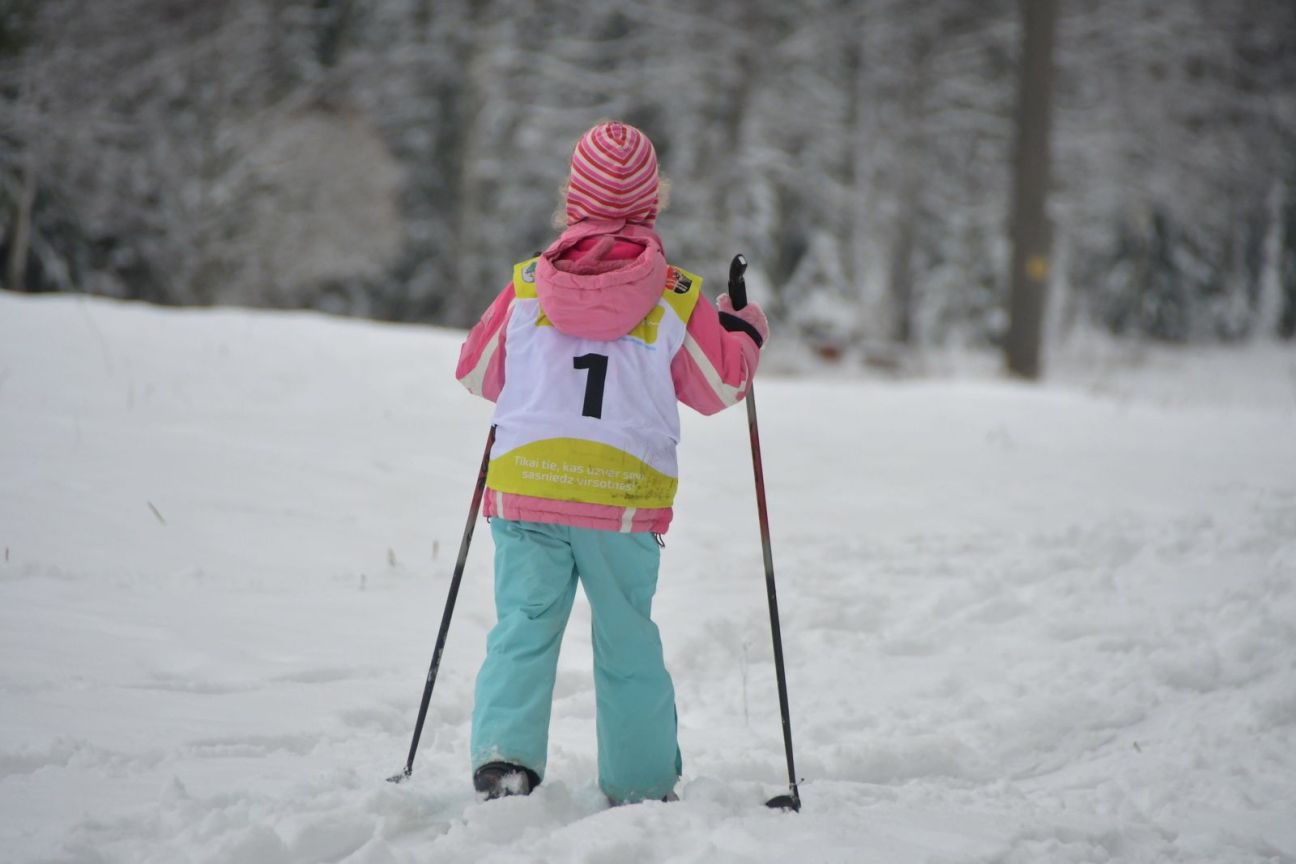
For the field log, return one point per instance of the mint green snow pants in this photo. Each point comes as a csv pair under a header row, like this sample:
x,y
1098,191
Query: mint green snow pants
x,y
536,569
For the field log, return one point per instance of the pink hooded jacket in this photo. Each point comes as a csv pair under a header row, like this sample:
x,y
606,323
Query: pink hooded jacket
x,y
597,281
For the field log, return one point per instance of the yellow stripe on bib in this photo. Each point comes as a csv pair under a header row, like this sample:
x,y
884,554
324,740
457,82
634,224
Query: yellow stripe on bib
x,y
682,291
569,469
524,285
646,330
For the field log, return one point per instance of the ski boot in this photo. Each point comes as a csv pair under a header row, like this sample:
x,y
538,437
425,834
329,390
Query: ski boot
x,y
501,779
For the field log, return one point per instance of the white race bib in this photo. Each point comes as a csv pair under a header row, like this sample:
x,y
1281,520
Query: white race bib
x,y
590,421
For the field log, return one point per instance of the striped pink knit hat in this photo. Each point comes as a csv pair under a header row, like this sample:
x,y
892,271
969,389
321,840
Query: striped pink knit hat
x,y
613,176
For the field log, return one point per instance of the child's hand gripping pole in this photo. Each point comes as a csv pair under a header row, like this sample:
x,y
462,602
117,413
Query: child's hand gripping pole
x,y
736,314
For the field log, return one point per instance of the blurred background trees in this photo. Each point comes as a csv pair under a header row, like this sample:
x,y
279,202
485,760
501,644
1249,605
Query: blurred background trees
x,y
392,159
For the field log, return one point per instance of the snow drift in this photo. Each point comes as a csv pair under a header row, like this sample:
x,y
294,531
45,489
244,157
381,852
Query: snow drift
x,y
1022,623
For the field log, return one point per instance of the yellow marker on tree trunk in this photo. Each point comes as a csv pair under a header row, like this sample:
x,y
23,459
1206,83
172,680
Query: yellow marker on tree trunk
x,y
1037,268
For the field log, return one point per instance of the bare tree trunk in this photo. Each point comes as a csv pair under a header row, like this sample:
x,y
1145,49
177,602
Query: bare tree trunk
x,y
901,290
335,18
473,289
1031,232
900,284
1268,313
20,240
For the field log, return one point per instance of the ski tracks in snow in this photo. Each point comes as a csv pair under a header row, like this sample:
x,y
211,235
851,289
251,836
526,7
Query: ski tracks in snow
x,y
1021,624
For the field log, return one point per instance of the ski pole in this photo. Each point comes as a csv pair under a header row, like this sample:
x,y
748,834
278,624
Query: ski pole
x,y
449,610
738,297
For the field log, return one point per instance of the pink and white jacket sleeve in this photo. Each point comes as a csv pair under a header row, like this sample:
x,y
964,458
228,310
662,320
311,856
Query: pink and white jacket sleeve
x,y
481,359
715,366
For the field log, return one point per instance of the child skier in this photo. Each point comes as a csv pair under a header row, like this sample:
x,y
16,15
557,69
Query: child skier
x,y
585,353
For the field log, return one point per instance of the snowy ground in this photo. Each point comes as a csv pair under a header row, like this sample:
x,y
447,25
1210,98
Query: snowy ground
x,y
1023,624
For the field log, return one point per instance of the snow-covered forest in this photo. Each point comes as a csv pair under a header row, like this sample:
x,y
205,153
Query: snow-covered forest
x,y
392,159
1021,623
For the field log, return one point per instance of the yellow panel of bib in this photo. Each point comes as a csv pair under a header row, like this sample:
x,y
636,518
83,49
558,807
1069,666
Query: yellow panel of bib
x,y
569,469
524,286
682,291
646,330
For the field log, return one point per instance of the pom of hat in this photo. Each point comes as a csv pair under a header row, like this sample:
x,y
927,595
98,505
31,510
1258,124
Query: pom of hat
x,y
613,176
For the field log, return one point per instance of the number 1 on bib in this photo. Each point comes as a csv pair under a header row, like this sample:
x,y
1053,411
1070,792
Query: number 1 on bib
x,y
596,365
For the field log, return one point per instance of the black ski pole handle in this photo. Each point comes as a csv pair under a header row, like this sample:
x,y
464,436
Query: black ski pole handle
x,y
737,284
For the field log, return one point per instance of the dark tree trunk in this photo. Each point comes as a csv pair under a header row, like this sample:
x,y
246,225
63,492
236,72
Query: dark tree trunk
x,y
20,237
1030,228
